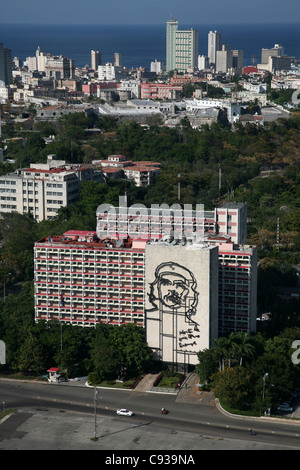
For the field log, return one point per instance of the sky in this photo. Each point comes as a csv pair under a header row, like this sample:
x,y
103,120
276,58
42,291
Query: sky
x,y
148,11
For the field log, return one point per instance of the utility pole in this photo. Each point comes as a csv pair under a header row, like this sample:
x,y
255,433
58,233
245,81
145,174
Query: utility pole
x,y
278,236
95,411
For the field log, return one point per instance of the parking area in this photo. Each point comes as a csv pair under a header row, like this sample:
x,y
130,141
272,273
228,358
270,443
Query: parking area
x,y
48,429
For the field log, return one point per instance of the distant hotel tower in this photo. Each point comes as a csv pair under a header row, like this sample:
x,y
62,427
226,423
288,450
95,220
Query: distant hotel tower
x,y
181,47
95,59
118,59
214,45
5,65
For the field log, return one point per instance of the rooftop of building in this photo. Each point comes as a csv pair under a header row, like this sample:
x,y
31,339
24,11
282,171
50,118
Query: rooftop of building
x,y
89,239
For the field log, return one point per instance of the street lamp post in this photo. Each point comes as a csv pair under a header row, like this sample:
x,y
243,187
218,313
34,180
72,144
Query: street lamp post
x,y
264,384
95,411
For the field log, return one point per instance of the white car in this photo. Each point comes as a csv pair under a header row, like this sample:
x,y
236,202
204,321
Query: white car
x,y
124,412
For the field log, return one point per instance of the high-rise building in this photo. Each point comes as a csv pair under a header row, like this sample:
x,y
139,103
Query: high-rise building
x,y
118,59
181,47
156,66
276,51
214,45
203,62
96,59
5,65
59,67
238,60
224,59
82,280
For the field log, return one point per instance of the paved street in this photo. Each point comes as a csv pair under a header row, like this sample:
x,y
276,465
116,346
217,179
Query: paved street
x,y
49,429
46,428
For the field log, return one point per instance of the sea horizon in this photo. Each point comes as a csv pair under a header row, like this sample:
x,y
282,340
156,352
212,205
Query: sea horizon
x,y
141,44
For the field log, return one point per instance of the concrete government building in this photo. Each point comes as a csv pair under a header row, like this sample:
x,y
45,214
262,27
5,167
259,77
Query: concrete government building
x,y
185,293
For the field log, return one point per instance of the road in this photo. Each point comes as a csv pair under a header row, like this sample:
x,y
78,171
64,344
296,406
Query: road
x,y
64,416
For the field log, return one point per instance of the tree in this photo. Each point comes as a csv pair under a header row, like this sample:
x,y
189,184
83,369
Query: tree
x,y
104,355
234,387
31,356
134,352
222,349
242,345
207,366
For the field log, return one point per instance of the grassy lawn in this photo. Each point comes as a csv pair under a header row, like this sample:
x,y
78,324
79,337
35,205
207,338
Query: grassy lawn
x,y
115,384
169,379
6,412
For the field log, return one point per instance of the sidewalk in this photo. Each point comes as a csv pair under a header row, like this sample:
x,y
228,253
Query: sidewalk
x,y
188,392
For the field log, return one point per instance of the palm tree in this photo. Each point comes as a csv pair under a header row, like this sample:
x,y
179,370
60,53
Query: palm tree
x,y
222,348
242,345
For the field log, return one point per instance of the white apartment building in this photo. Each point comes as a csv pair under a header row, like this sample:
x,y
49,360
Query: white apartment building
x,y
156,66
109,72
43,188
203,62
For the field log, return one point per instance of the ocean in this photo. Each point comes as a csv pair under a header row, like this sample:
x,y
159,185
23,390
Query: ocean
x,y
141,44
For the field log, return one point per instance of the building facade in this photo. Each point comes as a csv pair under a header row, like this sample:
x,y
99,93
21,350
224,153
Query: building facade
x,y
224,61
161,91
43,188
82,280
5,65
184,291
181,47
181,311
237,288
96,59
59,67
214,45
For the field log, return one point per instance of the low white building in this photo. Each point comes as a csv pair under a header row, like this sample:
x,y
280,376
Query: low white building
x,y
233,108
43,188
109,72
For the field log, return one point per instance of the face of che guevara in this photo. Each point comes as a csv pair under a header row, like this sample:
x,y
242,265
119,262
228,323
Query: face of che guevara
x,y
172,290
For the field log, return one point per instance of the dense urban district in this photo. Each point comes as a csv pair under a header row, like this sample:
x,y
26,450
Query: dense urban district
x,y
200,131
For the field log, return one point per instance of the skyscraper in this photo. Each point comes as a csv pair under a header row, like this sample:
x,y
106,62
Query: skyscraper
x,y
118,59
214,45
223,59
5,65
181,47
95,59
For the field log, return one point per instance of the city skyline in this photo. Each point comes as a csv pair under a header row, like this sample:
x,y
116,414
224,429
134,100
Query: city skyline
x,y
153,12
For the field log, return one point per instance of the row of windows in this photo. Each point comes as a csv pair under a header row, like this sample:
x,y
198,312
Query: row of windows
x,y
7,190
54,185
8,182
8,206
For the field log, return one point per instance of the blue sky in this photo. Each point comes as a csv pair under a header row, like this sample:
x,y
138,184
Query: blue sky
x,y
148,11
